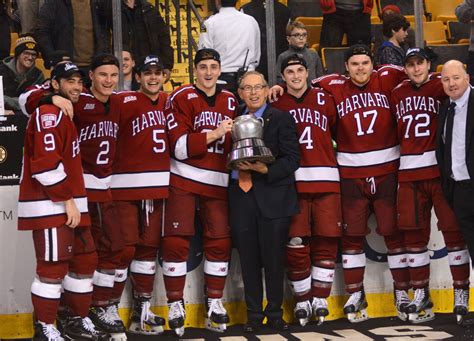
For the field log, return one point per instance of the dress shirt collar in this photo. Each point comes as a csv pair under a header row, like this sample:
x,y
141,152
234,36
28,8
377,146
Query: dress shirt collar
x,y
227,9
259,112
463,100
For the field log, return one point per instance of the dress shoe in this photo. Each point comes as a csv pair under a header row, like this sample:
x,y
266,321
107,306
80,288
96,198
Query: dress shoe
x,y
278,324
252,326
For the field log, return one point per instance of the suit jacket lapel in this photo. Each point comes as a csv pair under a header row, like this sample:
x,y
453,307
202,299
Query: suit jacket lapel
x,y
469,121
267,115
442,121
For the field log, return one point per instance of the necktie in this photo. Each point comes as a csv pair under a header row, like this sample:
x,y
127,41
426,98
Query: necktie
x,y
245,180
449,137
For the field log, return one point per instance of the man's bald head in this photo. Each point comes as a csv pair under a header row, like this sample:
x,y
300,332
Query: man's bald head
x,y
455,79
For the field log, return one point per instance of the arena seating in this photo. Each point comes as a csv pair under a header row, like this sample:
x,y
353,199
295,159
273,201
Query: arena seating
x,y
449,51
442,10
458,32
333,59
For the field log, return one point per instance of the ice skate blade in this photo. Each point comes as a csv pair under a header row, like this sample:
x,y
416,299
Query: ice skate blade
x,y
215,327
416,318
320,320
303,321
117,337
357,317
402,316
179,331
136,328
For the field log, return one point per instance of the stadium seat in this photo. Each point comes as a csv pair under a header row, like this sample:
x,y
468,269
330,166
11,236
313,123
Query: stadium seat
x,y
13,38
310,20
448,52
333,59
314,34
458,32
375,15
442,10
434,33
39,63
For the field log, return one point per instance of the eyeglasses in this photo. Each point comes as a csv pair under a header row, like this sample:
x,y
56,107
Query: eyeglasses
x,y
256,88
299,35
30,54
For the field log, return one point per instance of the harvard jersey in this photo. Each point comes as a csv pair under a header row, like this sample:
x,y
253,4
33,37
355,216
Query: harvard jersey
x,y
142,162
52,171
97,125
315,116
416,111
195,166
366,130
29,100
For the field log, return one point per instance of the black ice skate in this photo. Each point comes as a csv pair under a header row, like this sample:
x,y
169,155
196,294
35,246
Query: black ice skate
x,y
303,312
402,301
216,318
105,319
78,328
355,307
320,309
176,317
143,320
461,304
420,309
46,332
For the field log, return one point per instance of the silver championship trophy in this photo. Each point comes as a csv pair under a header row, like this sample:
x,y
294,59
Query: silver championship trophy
x,y
247,134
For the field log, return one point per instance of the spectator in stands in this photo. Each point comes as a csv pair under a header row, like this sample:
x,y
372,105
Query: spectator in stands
x,y
297,36
72,26
28,11
19,71
256,8
390,9
464,13
351,17
144,31
392,51
128,63
236,36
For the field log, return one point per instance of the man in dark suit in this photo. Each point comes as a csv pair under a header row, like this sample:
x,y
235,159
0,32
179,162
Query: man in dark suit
x,y
262,199
455,147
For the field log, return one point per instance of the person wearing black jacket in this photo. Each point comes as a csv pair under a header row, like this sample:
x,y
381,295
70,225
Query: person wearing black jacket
x,y
262,200
144,31
55,30
256,9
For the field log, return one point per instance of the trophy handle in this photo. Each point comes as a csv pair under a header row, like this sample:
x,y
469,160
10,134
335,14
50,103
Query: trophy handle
x,y
262,121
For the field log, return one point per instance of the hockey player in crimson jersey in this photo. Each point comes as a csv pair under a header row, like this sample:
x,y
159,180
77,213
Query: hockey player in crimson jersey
x,y
199,118
53,204
368,156
315,232
139,184
415,104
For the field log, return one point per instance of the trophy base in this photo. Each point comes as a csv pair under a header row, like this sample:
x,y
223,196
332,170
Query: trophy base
x,y
249,154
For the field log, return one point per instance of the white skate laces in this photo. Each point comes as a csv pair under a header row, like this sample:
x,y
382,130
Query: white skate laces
x,y
216,307
146,314
50,331
112,312
354,299
176,310
461,297
88,325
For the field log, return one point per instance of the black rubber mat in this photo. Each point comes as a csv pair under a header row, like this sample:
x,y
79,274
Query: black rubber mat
x,y
443,327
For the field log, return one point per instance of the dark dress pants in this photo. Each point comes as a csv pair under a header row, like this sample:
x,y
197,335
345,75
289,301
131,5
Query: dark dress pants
x,y
261,244
463,204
